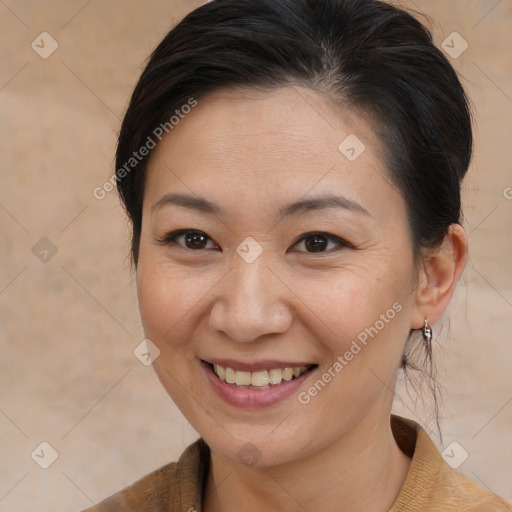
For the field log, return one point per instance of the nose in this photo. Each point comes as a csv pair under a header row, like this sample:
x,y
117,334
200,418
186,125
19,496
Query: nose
x,y
251,302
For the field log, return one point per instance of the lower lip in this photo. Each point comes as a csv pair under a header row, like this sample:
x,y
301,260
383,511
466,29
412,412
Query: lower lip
x,y
253,398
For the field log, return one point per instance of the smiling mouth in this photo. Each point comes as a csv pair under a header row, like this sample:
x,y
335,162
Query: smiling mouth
x,y
263,379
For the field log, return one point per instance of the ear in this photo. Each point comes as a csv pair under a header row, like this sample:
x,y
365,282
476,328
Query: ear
x,y
438,277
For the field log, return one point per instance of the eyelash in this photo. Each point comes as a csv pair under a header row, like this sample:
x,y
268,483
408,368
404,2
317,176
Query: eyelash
x,y
171,237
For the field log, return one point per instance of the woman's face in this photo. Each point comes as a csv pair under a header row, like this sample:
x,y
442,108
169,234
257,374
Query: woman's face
x,y
292,252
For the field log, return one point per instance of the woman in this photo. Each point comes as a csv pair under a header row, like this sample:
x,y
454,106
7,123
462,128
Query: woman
x,y
292,173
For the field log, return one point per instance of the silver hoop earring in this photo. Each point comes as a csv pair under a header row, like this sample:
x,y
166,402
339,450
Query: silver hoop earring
x,y
426,331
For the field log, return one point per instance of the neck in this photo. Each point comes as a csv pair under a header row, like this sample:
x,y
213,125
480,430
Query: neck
x,y
362,470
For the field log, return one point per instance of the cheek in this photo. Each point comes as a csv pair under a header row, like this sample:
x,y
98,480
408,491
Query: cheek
x,y
172,299
368,329
164,299
368,324
166,302
353,305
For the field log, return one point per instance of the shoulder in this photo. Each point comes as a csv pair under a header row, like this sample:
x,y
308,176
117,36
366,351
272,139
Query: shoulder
x,y
145,495
171,487
471,496
462,493
431,484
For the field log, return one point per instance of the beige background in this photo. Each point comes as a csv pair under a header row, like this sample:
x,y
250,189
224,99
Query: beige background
x,y
69,326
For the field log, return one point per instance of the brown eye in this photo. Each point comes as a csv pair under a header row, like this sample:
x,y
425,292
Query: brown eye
x,y
320,242
194,240
316,243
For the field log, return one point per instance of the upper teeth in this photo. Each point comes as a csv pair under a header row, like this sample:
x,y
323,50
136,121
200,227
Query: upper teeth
x,y
259,378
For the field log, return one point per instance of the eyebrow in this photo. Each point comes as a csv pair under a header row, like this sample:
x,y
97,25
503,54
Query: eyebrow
x,y
299,207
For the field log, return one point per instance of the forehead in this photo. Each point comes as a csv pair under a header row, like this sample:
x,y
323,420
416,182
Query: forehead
x,y
306,120
250,145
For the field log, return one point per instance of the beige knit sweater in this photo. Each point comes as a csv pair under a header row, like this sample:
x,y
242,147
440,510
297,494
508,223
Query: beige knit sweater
x,y
431,484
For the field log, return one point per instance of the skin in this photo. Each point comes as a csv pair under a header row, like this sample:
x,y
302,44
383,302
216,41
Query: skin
x,y
251,153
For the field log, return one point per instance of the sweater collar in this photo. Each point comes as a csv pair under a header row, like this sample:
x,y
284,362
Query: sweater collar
x,y
192,469
425,466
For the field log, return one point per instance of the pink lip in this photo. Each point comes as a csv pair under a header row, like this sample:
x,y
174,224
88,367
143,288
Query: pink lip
x,y
257,366
253,398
